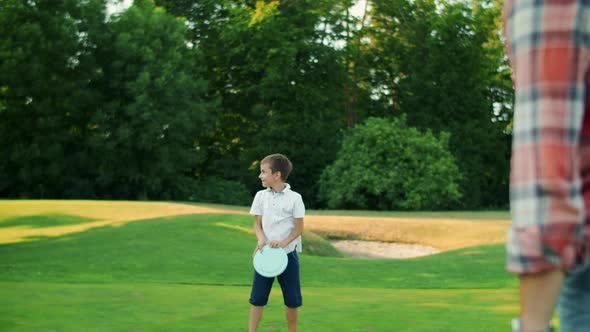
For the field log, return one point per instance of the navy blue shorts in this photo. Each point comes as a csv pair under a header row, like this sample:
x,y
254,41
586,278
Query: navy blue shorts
x,y
289,281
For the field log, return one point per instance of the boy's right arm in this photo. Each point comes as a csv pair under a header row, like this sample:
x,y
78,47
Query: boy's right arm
x,y
259,233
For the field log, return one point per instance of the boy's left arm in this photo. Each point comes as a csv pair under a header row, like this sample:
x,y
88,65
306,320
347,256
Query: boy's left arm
x,y
294,234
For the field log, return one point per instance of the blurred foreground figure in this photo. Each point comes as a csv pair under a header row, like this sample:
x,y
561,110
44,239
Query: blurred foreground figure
x,y
548,42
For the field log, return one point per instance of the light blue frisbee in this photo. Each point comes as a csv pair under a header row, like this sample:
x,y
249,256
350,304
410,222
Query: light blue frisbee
x,y
270,262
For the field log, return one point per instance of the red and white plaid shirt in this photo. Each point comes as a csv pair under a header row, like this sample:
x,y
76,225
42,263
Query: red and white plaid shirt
x,y
548,42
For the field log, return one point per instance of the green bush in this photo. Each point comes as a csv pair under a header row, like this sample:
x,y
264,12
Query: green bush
x,y
383,164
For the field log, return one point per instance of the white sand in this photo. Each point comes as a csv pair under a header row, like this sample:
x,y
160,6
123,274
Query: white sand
x,y
376,249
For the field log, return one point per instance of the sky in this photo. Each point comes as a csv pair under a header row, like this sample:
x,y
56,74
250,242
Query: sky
x,y
116,6
359,8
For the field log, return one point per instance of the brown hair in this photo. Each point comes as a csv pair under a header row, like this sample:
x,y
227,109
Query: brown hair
x,y
279,163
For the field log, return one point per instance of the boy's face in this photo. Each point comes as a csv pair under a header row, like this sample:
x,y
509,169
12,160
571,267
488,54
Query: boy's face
x,y
267,177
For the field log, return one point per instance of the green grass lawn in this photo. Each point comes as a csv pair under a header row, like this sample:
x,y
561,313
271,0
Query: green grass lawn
x,y
473,215
37,306
193,272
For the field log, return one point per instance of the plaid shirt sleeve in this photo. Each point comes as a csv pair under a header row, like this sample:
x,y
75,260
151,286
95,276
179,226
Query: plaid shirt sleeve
x,y
547,42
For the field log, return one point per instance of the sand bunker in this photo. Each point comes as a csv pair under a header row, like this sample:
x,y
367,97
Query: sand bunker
x,y
377,249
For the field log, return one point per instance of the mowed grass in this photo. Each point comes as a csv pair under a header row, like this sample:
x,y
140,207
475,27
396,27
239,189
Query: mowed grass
x,y
192,272
18,216
446,230
162,307
443,234
472,215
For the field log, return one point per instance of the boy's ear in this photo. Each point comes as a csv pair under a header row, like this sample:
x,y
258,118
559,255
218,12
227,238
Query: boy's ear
x,y
277,175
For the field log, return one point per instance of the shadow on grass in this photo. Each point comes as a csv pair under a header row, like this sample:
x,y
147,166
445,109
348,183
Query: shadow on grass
x,y
45,220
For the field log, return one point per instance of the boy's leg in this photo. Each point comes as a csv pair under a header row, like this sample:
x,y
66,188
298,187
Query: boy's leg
x,y
291,287
291,314
255,316
261,287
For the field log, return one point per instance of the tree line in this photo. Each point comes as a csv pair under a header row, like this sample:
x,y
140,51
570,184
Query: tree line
x,y
178,100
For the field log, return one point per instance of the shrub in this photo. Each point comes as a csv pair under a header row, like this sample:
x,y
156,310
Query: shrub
x,y
384,164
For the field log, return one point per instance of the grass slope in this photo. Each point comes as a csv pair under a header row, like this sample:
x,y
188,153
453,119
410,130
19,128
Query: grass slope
x,y
201,249
193,272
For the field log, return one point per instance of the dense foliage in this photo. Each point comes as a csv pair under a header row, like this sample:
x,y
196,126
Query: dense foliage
x,y
180,99
386,165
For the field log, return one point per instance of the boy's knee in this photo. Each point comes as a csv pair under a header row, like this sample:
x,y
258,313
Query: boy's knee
x,y
259,301
293,302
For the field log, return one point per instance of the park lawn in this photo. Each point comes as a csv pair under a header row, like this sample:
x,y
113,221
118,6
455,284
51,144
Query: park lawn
x,y
442,234
35,306
23,220
471,215
193,271
20,219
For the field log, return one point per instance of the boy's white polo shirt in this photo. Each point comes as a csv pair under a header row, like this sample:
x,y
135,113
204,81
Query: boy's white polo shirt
x,y
278,211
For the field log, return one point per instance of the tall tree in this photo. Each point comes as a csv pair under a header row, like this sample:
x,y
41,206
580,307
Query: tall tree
x,y
149,132
300,107
47,95
436,62
96,107
280,83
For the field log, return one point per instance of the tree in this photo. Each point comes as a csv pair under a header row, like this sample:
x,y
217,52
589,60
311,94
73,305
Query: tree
x,y
148,135
160,102
299,109
91,107
384,164
280,85
47,96
438,63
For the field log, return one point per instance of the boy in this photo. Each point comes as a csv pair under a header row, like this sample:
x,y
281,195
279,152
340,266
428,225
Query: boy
x,y
278,221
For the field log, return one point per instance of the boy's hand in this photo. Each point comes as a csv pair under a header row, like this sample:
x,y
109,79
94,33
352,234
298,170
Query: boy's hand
x,y
261,243
277,244
259,246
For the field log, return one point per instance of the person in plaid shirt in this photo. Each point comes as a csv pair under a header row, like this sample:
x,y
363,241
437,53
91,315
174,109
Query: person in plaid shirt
x,y
548,42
